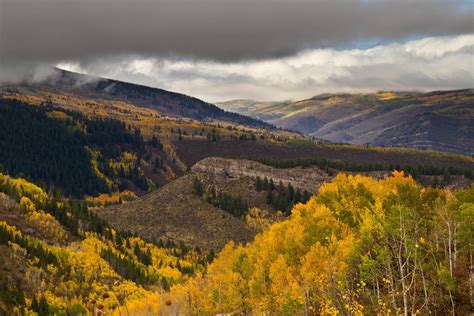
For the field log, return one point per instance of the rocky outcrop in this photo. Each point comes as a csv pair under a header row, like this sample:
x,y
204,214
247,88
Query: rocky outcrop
x,y
303,178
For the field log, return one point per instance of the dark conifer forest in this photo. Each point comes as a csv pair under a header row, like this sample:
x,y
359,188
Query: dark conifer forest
x,y
65,149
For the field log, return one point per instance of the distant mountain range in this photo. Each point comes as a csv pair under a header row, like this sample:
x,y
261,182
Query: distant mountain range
x,y
439,120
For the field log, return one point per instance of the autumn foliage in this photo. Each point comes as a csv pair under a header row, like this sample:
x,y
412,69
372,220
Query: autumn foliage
x,y
361,246
71,262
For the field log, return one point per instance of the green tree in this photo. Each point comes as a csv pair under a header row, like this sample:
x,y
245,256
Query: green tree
x,y
258,184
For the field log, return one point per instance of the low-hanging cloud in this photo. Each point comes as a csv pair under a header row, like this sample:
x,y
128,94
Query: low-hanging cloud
x,y
434,63
223,30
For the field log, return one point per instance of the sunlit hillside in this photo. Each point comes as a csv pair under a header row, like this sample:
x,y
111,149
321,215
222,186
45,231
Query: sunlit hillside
x,y
59,258
360,246
438,120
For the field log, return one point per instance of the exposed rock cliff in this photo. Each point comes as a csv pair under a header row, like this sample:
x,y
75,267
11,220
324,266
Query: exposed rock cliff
x,y
304,178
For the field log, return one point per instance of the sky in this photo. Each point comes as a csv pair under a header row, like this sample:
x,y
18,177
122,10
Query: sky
x,y
269,50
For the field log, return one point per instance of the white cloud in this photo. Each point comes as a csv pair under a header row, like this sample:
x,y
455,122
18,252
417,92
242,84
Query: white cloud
x,y
427,64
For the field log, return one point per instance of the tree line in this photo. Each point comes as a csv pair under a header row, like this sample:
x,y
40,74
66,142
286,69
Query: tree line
x,y
330,164
33,248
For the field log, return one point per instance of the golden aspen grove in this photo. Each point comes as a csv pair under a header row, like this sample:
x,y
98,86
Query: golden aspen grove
x,y
361,246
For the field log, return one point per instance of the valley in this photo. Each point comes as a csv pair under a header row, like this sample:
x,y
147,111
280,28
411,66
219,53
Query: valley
x,y
236,158
117,198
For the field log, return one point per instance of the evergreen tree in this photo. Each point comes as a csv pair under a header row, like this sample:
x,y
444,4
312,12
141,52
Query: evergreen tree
x,y
198,188
258,184
35,305
43,307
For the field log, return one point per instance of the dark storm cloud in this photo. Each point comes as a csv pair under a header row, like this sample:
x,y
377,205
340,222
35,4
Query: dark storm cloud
x,y
430,63
224,30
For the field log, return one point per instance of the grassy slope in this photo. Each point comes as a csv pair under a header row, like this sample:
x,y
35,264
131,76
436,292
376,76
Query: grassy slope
x,y
175,213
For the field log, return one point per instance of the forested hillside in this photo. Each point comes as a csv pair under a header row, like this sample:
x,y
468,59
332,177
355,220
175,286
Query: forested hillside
x,y
68,151
58,258
332,158
360,247
165,102
181,142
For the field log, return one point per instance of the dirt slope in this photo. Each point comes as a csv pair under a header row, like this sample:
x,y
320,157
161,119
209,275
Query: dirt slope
x,y
174,212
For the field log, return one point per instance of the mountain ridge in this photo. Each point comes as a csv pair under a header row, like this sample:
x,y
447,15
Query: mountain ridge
x,y
388,118
166,102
